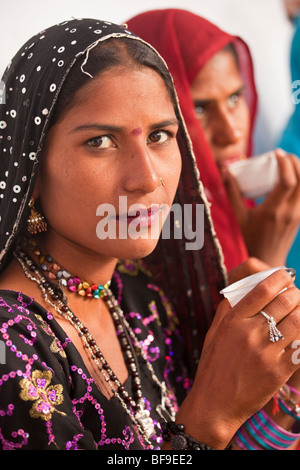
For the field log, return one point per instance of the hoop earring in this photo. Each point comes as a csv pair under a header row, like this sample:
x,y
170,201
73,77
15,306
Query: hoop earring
x,y
36,221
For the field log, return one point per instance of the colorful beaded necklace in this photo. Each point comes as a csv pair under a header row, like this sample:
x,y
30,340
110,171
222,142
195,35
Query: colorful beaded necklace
x,y
63,277
134,407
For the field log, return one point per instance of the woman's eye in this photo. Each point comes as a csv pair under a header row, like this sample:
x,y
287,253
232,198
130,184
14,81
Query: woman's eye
x,y
199,110
159,137
102,142
233,100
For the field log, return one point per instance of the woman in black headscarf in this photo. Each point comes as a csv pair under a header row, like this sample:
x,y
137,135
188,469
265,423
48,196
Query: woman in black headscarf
x,y
91,120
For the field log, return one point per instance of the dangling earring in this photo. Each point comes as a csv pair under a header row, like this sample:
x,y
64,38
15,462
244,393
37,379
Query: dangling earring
x,y
36,222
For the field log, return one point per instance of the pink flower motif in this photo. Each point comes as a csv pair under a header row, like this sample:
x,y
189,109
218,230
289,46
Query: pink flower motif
x,y
46,397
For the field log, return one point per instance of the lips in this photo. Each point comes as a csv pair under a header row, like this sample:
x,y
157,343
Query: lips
x,y
142,216
225,162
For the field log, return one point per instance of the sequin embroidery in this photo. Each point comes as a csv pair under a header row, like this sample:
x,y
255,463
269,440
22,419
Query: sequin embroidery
x,y
46,397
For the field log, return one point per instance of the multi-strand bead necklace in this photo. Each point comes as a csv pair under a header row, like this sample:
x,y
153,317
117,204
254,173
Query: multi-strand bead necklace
x,y
51,279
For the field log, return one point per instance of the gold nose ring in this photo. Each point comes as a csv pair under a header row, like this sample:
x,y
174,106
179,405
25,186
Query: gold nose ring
x,y
162,181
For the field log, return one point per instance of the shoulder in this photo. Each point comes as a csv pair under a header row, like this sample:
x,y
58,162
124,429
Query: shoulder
x,y
16,307
11,300
27,329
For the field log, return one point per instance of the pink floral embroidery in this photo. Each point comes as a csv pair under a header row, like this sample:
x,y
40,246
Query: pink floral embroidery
x,y
46,397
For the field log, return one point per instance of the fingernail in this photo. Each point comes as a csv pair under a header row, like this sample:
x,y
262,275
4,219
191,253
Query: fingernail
x,y
281,153
291,272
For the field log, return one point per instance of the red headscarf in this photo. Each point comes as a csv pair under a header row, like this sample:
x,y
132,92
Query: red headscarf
x,y
186,42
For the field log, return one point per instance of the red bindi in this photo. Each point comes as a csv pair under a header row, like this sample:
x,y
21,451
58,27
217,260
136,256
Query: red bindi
x,y
136,132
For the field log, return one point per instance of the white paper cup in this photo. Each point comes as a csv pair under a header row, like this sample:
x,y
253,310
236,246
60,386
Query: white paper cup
x,y
236,291
256,176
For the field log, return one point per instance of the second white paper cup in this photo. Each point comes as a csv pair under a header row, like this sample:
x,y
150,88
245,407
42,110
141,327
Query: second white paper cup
x,y
256,176
236,291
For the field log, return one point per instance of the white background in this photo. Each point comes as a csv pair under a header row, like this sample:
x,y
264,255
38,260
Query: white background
x,y
262,23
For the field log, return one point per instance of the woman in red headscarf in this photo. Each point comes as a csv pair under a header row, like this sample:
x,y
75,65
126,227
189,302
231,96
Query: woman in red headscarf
x,y
213,75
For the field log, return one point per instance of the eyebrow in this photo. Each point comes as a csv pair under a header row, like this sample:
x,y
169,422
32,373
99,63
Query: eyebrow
x,y
99,127
119,129
166,123
199,102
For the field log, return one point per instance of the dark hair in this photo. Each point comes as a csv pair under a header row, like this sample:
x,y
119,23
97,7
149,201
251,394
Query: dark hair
x,y
231,48
127,52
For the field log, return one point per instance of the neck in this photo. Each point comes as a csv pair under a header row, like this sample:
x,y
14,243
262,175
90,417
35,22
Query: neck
x,y
78,262
77,259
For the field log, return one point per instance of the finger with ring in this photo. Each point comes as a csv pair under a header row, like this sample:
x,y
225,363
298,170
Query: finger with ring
x,y
274,333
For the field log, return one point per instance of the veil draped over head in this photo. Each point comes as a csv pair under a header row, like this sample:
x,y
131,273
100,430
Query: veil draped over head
x,y
186,42
191,278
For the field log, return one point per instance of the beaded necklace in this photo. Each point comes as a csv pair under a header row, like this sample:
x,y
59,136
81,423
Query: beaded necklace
x,y
134,407
63,277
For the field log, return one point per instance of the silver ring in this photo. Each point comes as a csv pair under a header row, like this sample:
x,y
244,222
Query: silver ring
x,y
275,334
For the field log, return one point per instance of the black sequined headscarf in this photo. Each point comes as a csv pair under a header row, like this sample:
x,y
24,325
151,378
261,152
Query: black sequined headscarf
x,y
33,80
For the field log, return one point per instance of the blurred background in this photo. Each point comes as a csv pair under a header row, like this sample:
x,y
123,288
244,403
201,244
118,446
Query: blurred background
x,y
263,24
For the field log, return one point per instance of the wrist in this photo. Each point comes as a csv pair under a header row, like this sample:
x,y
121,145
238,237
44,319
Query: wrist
x,y
175,434
205,428
212,436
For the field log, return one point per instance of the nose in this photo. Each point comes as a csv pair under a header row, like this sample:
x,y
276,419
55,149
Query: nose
x,y
226,129
140,173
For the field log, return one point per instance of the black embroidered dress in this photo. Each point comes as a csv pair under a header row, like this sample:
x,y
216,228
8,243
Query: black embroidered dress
x,y
48,398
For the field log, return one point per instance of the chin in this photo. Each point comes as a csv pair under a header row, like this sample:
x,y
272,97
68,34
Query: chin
x,y
132,249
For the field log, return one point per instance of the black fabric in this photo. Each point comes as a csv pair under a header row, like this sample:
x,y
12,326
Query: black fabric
x,y
79,416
